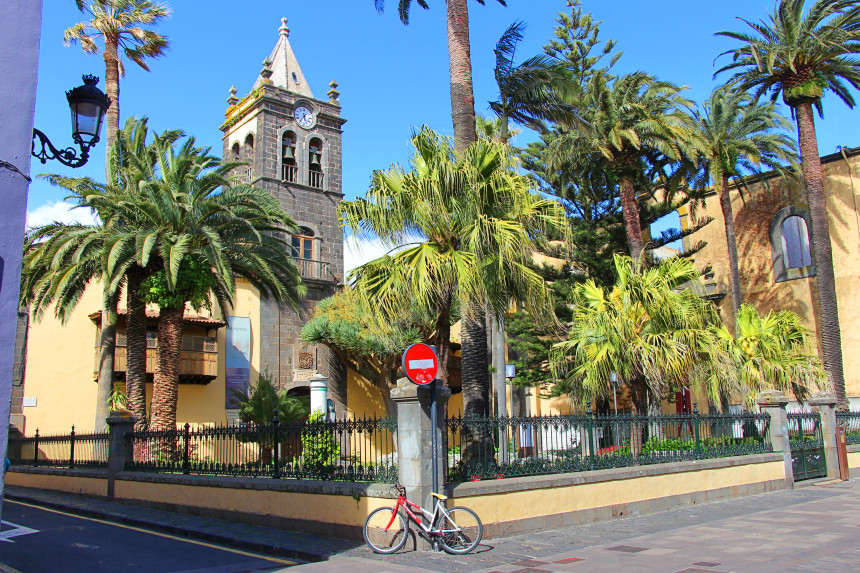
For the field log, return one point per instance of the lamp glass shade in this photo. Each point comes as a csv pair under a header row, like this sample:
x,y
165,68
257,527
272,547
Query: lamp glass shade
x,y
510,371
86,121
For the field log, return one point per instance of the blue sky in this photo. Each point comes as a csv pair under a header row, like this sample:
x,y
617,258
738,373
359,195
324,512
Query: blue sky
x,y
393,78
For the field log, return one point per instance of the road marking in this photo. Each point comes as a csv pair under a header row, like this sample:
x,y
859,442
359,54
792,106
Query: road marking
x,y
159,534
15,531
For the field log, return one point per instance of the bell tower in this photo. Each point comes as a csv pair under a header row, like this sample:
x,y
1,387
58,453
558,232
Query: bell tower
x,y
291,142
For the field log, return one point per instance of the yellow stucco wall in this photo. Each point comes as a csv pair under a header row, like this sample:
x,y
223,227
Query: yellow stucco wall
x,y
59,370
753,214
539,502
316,507
61,360
363,398
71,484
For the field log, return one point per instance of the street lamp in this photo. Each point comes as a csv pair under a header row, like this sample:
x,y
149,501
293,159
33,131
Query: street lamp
x,y
510,374
88,105
613,377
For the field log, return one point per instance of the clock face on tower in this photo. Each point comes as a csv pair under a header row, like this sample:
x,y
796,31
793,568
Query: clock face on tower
x,y
304,116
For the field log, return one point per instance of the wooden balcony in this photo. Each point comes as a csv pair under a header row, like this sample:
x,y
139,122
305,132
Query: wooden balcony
x,y
314,270
315,179
199,358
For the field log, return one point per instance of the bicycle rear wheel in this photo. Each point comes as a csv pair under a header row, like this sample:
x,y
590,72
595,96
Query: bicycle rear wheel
x,y
460,531
385,531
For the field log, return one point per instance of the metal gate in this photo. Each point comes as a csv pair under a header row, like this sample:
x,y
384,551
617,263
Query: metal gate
x,y
807,446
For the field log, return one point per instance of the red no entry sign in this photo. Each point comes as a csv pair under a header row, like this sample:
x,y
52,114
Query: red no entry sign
x,y
420,363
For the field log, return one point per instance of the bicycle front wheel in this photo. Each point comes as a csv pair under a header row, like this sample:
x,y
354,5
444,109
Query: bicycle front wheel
x,y
385,530
460,531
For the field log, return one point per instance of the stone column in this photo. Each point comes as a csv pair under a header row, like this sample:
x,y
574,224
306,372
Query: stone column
x,y
825,404
121,424
414,437
773,402
319,393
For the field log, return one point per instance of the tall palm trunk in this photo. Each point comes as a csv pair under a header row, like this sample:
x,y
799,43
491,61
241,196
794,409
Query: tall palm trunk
x,y
112,90
165,391
462,93
135,335
731,243
477,438
107,347
443,338
632,224
831,339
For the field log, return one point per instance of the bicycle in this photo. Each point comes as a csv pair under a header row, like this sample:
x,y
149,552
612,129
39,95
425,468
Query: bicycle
x,y
458,530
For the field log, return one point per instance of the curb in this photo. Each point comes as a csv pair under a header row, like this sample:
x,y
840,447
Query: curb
x,y
258,547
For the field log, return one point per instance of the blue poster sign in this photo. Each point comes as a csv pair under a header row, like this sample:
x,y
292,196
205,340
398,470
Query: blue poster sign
x,y
238,359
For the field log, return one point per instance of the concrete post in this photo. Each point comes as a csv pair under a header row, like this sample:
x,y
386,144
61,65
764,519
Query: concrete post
x,y
319,393
773,402
825,404
414,436
121,424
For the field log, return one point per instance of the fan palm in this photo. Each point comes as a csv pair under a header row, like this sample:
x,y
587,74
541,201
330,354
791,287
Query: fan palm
x,y
800,54
466,226
738,136
648,328
202,232
768,352
121,26
634,121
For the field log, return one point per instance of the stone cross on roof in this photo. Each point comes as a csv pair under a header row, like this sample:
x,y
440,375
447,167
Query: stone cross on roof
x,y
286,72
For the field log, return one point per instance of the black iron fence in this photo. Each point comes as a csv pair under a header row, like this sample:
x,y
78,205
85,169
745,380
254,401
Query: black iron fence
x,y
851,422
59,450
343,450
492,448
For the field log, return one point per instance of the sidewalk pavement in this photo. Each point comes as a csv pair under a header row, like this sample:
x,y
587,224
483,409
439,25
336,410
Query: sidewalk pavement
x,y
801,530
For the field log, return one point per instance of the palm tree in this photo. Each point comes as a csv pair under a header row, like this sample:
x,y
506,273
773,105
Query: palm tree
x,y
767,352
258,408
737,136
60,260
801,56
532,91
649,329
121,26
202,232
463,118
636,121
465,226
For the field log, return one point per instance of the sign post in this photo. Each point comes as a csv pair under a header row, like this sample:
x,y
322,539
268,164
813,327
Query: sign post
x,y
421,365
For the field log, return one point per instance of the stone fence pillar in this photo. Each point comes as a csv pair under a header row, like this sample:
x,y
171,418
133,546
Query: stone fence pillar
x,y
825,404
121,424
319,393
773,402
414,437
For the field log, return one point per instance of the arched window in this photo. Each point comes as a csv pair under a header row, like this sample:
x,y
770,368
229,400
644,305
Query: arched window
x,y
235,152
303,244
249,158
289,169
315,172
795,243
789,243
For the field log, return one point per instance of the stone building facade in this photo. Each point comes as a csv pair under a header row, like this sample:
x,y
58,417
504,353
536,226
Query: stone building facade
x,y
291,144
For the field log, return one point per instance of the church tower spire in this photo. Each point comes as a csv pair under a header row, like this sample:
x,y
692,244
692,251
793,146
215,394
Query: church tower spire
x,y
289,144
286,72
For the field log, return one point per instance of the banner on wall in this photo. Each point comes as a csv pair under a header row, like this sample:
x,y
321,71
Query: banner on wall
x,y
238,359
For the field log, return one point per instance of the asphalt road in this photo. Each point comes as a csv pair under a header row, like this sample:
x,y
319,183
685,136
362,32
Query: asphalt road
x,y
38,540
